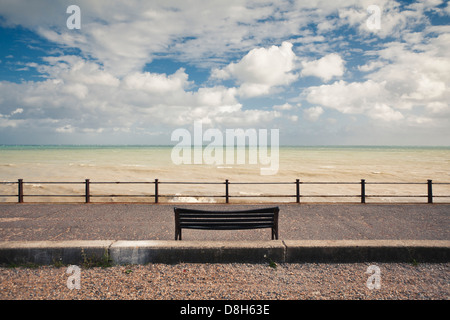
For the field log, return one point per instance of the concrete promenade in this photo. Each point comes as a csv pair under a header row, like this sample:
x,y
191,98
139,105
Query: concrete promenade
x,y
143,233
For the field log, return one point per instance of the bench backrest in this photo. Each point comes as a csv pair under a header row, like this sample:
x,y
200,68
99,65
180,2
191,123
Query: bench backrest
x,y
227,220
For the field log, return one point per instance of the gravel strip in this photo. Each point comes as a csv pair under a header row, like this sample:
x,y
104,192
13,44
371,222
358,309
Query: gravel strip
x,y
400,281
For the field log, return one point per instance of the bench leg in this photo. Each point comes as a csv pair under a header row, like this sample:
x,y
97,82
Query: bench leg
x,y
274,234
178,234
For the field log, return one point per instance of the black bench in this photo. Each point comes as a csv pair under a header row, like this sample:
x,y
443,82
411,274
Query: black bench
x,y
226,220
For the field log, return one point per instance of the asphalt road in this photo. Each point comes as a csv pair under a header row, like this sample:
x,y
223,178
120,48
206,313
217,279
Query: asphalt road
x,y
19,222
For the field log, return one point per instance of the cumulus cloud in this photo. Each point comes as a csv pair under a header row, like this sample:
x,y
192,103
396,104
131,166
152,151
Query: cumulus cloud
x,y
262,69
313,113
438,108
392,17
157,83
332,65
286,106
384,112
395,91
447,9
106,87
77,95
367,98
349,98
125,36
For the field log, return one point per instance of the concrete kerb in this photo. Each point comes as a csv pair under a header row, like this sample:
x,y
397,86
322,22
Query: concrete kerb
x,y
139,252
367,250
171,252
53,252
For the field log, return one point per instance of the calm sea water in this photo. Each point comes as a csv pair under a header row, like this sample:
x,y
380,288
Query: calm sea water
x,y
37,164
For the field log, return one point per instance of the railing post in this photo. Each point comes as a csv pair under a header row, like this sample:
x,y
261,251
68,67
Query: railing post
x,y
87,192
363,191
20,191
297,186
430,191
226,191
156,191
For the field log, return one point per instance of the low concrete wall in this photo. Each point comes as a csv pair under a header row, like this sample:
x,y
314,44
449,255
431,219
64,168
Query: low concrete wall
x,y
53,252
368,250
157,251
138,252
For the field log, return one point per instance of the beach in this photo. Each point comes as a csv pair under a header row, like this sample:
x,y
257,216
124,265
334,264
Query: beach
x,y
39,164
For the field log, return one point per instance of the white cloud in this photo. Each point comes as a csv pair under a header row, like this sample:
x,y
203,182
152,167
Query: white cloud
x,y
438,108
105,89
393,20
17,111
416,76
405,82
80,97
385,113
332,65
286,106
157,83
349,98
261,70
79,90
313,113
447,8
125,36
372,65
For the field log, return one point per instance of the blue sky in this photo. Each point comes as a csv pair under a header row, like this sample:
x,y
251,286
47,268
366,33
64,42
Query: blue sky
x,y
137,70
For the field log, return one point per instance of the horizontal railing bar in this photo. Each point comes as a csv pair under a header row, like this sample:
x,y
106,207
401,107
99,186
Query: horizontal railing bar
x,y
121,195
230,196
397,183
396,195
262,182
328,196
262,196
176,182
190,196
54,195
52,182
331,182
121,182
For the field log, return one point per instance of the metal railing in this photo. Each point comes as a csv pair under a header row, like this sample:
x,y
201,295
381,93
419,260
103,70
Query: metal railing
x,y
362,195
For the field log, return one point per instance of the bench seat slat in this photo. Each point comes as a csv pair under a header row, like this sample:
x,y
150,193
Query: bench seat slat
x,y
227,227
213,223
228,216
192,211
185,220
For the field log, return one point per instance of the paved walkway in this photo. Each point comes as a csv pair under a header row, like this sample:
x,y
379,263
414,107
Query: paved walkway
x,y
37,222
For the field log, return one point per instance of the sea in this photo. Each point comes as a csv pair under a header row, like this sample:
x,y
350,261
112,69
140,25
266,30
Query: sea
x,y
58,173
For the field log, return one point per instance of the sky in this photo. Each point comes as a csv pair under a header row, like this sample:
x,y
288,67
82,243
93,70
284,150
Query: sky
x,y
340,72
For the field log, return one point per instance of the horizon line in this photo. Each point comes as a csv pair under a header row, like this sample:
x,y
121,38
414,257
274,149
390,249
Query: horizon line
x,y
281,145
